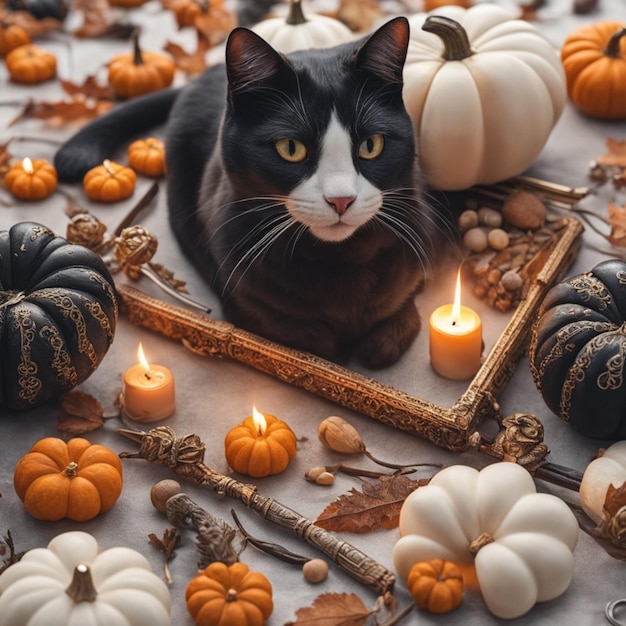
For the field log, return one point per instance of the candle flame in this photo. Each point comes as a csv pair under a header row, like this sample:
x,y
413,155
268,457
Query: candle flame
x,y
27,164
259,420
456,306
142,359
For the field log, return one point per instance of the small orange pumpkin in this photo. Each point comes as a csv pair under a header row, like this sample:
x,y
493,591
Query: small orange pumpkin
x,y
147,156
30,179
430,5
222,595
436,585
259,448
76,480
138,72
186,11
109,182
594,60
30,64
12,36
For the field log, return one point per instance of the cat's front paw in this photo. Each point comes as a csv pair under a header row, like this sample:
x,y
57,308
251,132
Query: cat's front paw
x,y
390,339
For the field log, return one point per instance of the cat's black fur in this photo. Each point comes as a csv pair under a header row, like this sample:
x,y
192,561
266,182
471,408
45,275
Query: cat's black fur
x,y
227,187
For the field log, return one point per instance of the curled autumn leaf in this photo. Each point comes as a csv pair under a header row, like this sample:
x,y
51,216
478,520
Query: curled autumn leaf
x,y
80,413
333,609
617,221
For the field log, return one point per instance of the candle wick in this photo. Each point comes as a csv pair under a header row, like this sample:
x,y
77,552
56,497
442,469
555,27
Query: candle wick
x,y
148,374
453,322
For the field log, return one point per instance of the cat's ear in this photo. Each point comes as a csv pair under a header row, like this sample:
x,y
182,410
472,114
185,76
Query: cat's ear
x,y
250,60
384,52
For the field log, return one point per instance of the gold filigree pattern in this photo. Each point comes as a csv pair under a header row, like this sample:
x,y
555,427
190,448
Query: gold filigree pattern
x,y
61,360
27,370
590,288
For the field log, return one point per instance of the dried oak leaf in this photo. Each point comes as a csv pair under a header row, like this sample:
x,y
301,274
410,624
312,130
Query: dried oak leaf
x,y
617,220
215,25
29,23
90,88
78,107
615,499
616,155
333,609
5,158
376,506
191,63
80,413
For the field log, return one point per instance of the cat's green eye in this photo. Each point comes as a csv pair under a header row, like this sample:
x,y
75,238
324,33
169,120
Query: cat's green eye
x,y
291,150
371,147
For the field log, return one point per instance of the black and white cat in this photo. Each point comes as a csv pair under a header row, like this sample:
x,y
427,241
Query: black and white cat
x,y
293,186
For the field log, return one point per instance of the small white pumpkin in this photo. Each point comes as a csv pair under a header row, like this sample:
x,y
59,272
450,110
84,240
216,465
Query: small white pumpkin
x,y
484,103
73,583
520,541
298,32
608,469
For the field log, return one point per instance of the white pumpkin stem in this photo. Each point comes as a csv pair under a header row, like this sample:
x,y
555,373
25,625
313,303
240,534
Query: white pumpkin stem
x,y
613,48
296,15
231,595
71,470
452,34
81,588
480,542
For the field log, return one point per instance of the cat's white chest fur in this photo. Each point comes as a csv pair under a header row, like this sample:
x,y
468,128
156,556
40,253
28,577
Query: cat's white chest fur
x,y
337,199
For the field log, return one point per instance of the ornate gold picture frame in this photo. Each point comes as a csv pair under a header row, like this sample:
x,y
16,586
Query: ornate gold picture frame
x,y
454,427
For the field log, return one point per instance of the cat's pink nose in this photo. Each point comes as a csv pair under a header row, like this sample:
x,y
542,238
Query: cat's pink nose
x,y
340,204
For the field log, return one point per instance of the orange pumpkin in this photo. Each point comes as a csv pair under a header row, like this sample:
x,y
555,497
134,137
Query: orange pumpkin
x,y
76,480
30,179
186,11
436,585
138,72
109,182
594,60
30,64
12,36
259,449
147,156
126,4
224,595
430,5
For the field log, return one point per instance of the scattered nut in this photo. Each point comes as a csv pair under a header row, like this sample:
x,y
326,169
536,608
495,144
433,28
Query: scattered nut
x,y
511,280
468,219
498,239
490,217
524,210
475,240
162,491
315,570
325,478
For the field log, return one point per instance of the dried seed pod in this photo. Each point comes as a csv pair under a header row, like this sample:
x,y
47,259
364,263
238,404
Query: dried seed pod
x,y
325,478
134,247
524,210
312,474
162,491
315,570
338,435
86,230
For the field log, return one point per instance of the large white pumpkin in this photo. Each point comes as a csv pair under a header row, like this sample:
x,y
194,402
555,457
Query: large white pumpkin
x,y
485,103
73,583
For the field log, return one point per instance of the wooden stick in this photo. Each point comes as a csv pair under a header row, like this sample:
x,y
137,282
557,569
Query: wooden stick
x,y
185,456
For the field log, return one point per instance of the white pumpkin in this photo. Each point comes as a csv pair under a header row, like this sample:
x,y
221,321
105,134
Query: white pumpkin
x,y
297,32
72,583
519,541
608,469
485,117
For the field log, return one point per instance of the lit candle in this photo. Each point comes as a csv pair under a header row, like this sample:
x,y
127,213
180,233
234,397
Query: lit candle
x,y
455,339
148,391
31,179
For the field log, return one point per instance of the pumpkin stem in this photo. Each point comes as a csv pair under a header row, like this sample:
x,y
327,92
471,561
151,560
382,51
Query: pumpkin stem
x,y
231,595
71,470
452,34
296,15
8,299
613,48
137,57
81,588
480,542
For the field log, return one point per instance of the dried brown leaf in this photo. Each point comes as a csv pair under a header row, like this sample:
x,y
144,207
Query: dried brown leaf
x,y
376,506
333,609
80,413
5,158
191,63
64,111
616,155
215,25
90,88
615,499
617,220
168,277
29,23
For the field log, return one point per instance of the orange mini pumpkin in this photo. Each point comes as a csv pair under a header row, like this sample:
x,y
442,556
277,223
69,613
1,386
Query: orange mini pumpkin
x,y
594,60
138,72
109,182
31,179
76,480
30,64
436,585
261,445
12,36
223,595
147,156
